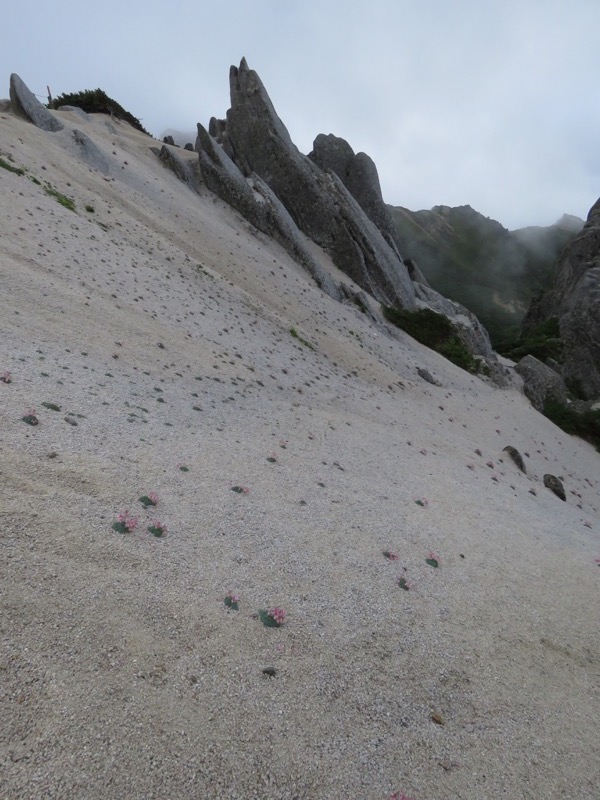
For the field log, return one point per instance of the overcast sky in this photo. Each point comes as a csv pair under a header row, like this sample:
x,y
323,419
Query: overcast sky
x,y
491,103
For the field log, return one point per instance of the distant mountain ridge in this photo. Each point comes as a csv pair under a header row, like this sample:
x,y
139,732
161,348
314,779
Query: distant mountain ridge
x,y
476,261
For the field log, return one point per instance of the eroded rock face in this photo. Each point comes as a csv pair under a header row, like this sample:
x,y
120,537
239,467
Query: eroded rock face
x,y
575,300
332,197
318,202
555,485
255,200
540,382
359,175
25,103
515,456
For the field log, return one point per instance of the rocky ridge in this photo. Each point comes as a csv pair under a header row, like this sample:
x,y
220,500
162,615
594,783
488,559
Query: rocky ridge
x,y
476,261
332,198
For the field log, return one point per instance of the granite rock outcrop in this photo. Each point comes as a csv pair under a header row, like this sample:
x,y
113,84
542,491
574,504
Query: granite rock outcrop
x,y
574,300
26,104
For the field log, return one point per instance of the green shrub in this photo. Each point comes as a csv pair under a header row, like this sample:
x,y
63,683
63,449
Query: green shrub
x,y
65,201
95,101
435,331
543,342
585,424
5,165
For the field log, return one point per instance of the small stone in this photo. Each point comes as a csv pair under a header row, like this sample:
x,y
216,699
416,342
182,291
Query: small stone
x,y
270,671
438,719
71,420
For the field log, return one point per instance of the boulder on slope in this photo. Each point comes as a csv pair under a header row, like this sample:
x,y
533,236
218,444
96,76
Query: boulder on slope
x,y
26,104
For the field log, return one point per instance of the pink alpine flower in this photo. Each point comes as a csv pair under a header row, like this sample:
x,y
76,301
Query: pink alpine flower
x,y
6,377
127,521
278,614
157,528
153,498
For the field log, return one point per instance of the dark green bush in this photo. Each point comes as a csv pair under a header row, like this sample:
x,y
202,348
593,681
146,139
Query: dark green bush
x,y
543,342
585,424
434,331
95,101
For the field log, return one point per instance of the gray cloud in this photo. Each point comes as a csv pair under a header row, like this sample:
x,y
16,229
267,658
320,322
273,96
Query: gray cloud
x,y
491,104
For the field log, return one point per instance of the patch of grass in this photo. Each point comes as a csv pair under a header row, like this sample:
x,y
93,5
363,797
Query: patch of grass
x,y
51,406
90,208
585,424
294,333
9,167
434,331
65,201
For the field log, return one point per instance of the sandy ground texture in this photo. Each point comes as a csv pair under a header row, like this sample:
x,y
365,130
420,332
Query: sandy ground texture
x,y
150,330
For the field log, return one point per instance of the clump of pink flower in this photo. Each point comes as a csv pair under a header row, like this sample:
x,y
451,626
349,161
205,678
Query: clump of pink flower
x,y
153,498
6,377
391,556
157,528
232,600
422,501
278,614
128,522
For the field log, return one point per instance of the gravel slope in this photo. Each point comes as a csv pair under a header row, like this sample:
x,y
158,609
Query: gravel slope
x,y
159,322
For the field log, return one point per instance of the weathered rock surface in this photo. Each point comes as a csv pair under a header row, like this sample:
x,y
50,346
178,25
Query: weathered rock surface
x,y
515,456
359,175
540,382
76,110
26,104
575,300
471,332
84,148
332,197
555,485
318,202
255,200
427,376
182,167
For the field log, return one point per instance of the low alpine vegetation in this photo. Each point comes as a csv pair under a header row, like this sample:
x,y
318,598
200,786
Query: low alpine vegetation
x,y
273,618
232,601
30,417
434,331
157,529
150,499
125,522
